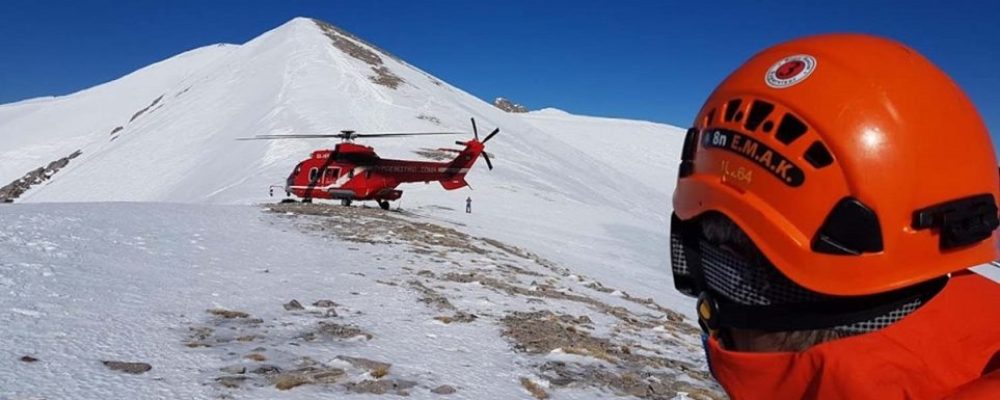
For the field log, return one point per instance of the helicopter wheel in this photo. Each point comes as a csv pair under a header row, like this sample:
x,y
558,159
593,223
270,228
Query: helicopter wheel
x,y
287,201
307,200
384,204
345,202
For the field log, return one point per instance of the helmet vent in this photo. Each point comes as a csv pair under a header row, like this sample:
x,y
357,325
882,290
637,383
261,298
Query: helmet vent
x,y
731,107
851,229
790,129
768,126
818,155
758,112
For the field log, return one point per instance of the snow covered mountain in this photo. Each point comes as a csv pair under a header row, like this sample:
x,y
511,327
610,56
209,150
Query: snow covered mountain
x,y
590,194
166,133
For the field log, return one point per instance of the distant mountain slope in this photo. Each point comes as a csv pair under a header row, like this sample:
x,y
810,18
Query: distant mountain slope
x,y
36,131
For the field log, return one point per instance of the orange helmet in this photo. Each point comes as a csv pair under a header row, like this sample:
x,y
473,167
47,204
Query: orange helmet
x,y
852,162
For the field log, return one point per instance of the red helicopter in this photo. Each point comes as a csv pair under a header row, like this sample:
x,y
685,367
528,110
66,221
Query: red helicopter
x,y
353,172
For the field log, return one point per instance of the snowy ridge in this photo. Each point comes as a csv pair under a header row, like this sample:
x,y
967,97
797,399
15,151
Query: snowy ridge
x,y
203,294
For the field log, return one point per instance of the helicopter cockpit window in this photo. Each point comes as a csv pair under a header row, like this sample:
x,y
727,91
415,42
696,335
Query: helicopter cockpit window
x,y
313,174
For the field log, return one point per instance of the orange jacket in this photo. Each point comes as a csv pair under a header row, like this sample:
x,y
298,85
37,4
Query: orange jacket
x,y
948,347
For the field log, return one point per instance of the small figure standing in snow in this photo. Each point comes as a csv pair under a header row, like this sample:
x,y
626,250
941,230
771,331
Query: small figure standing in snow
x,y
468,205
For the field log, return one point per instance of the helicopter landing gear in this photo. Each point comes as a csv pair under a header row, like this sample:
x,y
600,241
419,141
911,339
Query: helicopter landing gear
x,y
287,201
345,202
307,200
384,204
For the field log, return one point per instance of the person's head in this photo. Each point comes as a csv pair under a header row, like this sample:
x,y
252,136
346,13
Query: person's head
x,y
825,188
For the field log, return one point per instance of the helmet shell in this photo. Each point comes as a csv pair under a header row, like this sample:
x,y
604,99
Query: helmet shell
x,y
809,123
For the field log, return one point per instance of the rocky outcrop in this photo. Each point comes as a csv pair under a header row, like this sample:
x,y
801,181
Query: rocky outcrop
x,y
15,189
134,368
357,48
143,111
509,106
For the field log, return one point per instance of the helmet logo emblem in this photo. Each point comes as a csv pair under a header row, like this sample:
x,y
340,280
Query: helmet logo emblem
x,y
790,71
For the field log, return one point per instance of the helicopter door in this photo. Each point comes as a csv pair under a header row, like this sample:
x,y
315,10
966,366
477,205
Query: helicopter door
x,y
330,175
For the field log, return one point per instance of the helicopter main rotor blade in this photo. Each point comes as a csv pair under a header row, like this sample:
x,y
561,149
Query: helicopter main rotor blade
x,y
300,136
363,135
475,131
344,135
488,163
490,136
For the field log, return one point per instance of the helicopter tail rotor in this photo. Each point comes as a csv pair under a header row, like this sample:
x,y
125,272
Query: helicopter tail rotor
x,y
488,163
475,133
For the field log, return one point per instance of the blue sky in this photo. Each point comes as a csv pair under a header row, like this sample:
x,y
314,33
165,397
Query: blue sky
x,y
652,60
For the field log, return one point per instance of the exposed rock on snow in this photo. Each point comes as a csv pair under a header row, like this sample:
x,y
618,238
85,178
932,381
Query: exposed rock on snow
x,y
644,384
312,375
382,386
228,314
435,154
509,106
431,297
644,375
234,369
444,389
366,364
354,47
535,389
232,381
335,331
324,303
15,189
144,110
430,118
290,381
128,367
266,369
293,305
457,317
